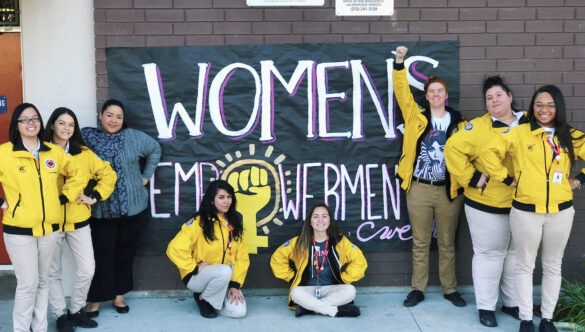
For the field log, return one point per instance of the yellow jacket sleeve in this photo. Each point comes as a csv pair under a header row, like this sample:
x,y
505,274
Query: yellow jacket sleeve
x,y
104,174
281,260
460,150
493,154
353,260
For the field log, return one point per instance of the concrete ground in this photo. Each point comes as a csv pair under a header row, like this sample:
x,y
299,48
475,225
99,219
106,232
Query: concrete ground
x,y
381,307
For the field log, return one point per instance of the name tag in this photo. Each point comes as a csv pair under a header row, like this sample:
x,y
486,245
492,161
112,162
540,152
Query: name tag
x,y
557,177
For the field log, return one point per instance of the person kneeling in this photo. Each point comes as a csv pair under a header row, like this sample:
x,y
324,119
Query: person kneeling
x,y
320,264
211,254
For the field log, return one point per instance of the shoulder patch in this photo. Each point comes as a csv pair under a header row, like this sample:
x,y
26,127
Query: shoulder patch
x,y
189,222
286,244
469,126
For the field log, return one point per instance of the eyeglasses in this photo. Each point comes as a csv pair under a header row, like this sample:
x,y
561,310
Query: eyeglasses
x,y
34,119
550,106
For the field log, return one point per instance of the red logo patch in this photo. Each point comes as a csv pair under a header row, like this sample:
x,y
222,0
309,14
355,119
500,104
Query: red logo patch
x,y
50,163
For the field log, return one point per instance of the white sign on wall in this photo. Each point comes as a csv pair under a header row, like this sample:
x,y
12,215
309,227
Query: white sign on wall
x,y
267,3
364,7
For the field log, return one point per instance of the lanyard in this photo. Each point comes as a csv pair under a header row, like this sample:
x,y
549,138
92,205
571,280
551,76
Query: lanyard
x,y
556,150
318,268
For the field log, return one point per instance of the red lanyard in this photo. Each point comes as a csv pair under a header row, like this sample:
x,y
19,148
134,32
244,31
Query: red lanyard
x,y
556,150
318,268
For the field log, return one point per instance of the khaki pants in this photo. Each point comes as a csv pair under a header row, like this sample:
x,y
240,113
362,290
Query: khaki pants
x,y
494,258
332,296
79,242
425,204
529,230
31,258
212,282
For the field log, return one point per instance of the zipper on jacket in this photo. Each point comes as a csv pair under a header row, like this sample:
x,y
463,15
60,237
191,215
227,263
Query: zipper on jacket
x,y
547,176
17,205
517,183
64,210
42,196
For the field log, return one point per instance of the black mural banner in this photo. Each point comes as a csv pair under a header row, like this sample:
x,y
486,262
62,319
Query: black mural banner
x,y
287,125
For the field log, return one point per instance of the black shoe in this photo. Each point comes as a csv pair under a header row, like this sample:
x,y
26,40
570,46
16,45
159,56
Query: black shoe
x,y
547,325
413,298
300,311
121,310
512,311
80,319
205,309
526,326
64,324
348,310
487,318
456,299
92,314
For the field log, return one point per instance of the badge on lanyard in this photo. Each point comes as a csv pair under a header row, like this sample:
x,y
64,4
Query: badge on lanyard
x,y
557,177
318,292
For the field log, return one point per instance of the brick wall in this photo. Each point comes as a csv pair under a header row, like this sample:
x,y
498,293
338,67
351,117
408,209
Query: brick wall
x,y
529,42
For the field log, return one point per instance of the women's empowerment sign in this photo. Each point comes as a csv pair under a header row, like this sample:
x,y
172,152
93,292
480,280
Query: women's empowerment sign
x,y
286,125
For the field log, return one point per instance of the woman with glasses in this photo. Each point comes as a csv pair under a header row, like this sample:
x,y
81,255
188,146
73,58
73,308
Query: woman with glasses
x,y
543,153
29,174
63,130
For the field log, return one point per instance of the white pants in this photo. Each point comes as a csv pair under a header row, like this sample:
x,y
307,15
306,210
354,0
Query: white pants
x,y
494,258
212,282
31,258
332,296
79,242
529,229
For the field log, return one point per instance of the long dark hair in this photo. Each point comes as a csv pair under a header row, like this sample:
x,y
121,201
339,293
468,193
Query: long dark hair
x,y
306,238
208,212
497,80
50,131
115,102
562,128
13,132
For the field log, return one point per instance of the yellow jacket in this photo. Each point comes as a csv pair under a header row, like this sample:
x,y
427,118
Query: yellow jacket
x,y
75,214
347,262
416,127
534,167
32,190
189,247
462,156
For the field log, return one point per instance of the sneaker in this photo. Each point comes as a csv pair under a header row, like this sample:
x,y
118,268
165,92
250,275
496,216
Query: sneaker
x,y
547,325
413,298
526,326
205,309
348,310
456,299
80,319
63,324
488,318
512,311
300,311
